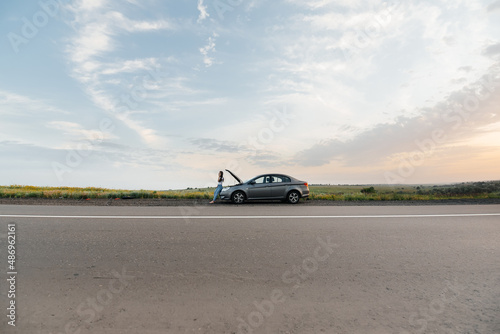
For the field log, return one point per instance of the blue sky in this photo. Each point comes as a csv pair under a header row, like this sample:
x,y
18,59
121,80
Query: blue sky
x,y
163,94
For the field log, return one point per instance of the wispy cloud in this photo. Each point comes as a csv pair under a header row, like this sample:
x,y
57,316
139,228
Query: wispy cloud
x,y
216,145
130,66
317,4
98,34
203,11
78,132
19,105
129,25
208,49
113,163
22,119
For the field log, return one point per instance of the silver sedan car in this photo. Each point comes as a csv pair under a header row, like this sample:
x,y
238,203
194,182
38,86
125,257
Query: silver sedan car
x,y
266,187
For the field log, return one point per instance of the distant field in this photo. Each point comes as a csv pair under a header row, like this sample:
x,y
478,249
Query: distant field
x,y
472,190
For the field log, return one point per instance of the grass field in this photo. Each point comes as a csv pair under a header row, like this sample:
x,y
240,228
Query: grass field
x,y
472,190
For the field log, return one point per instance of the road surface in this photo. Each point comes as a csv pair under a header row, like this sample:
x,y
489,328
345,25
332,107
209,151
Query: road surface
x,y
252,269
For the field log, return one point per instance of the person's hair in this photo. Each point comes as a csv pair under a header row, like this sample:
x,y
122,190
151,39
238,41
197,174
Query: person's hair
x,y
221,176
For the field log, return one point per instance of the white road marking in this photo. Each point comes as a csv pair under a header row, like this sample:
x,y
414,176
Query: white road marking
x,y
254,217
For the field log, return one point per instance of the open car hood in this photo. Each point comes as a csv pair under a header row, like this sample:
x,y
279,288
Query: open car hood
x,y
237,178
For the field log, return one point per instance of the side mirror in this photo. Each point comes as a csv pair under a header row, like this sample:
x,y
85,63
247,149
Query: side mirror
x,y
252,182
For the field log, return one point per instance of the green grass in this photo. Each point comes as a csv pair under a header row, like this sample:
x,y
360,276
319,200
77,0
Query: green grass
x,y
16,191
472,190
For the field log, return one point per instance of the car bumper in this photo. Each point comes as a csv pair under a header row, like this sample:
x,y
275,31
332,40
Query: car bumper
x,y
225,197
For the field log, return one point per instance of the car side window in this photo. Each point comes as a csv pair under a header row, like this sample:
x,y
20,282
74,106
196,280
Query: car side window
x,y
277,179
280,179
260,180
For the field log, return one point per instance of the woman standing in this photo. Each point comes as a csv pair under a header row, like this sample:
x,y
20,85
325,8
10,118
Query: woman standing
x,y
219,186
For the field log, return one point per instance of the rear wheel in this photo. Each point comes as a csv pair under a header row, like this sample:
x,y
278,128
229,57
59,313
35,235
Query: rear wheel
x,y
238,197
293,197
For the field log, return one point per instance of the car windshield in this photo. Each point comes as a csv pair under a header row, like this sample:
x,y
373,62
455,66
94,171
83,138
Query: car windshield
x,y
260,179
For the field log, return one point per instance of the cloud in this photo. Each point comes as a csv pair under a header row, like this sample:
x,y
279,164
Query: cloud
x,y
369,64
130,66
318,4
126,155
78,132
461,117
105,165
207,144
88,5
203,11
94,40
466,69
268,160
18,105
494,6
25,156
208,49
129,25
98,32
492,50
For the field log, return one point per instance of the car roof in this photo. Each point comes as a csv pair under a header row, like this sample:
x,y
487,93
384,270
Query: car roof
x,y
274,174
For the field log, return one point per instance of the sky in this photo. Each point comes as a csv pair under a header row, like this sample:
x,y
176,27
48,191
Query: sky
x,y
160,95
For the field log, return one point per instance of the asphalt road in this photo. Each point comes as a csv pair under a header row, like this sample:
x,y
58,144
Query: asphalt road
x,y
285,269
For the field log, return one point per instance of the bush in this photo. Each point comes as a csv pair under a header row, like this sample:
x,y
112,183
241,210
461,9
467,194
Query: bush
x,y
370,190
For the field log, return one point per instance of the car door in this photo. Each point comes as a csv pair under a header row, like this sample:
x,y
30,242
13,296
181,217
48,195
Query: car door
x,y
259,188
279,185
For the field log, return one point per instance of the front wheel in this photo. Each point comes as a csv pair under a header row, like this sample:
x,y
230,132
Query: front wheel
x,y
238,197
293,197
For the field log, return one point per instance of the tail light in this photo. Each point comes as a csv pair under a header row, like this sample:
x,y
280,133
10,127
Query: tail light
x,y
306,184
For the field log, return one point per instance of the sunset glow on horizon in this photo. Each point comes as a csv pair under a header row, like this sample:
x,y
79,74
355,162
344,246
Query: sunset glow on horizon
x,y
164,94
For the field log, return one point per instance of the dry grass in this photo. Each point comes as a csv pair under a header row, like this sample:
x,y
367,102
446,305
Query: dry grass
x,y
472,190
478,190
16,191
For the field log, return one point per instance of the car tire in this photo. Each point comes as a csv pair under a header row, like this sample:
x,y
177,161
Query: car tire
x,y
238,197
293,197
